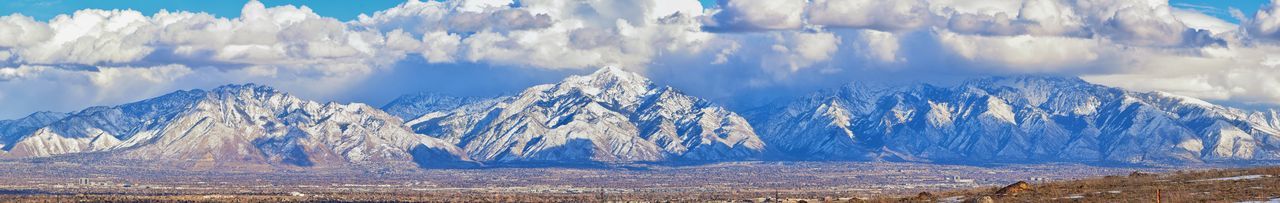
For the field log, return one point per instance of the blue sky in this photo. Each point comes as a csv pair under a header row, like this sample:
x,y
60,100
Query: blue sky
x,y
1220,8
342,10
751,53
46,9
346,10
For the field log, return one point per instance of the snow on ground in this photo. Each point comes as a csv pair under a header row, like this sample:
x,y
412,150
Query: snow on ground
x,y
952,199
1244,177
1275,200
1073,196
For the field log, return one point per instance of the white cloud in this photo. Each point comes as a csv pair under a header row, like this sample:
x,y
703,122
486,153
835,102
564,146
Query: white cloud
x,y
668,8
1238,74
547,34
92,37
758,15
879,46
49,88
797,50
1266,22
482,5
1197,20
876,14
1022,52
1117,42
18,30
439,46
262,36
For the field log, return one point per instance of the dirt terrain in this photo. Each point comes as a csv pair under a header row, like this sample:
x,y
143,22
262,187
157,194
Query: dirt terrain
x,y
1220,185
732,182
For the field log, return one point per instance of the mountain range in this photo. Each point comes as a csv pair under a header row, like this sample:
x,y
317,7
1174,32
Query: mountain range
x,y
234,126
612,117
1015,120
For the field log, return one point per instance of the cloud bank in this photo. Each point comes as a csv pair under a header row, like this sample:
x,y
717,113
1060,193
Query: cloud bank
x,y
739,47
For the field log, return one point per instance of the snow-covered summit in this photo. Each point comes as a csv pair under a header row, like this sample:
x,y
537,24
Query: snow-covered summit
x,y
610,116
613,116
236,126
1016,119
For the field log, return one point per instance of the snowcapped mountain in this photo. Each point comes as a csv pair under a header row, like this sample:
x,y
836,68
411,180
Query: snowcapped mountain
x,y
413,105
1015,119
10,130
617,117
610,116
234,126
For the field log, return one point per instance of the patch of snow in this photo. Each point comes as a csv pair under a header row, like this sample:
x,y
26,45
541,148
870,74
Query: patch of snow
x,y
217,196
1244,177
1185,99
1000,110
1274,200
952,199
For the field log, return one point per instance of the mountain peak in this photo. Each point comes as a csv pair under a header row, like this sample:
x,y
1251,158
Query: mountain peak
x,y
47,114
608,79
1033,83
245,91
1038,79
614,73
609,116
247,87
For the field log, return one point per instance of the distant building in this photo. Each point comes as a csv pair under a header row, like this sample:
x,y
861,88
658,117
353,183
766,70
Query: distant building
x,y
957,179
101,182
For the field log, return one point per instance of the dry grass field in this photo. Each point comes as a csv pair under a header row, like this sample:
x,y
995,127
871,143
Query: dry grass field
x,y
1219,185
755,182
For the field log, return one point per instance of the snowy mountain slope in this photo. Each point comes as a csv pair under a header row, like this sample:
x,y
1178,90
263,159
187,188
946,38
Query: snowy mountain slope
x,y
610,116
12,130
414,105
238,125
1015,119
617,117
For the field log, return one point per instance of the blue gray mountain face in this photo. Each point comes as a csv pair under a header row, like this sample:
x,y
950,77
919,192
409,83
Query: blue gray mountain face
x,y
10,130
411,106
1015,120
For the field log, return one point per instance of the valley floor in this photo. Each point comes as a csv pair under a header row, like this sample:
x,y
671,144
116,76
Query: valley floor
x,y
64,181
1261,184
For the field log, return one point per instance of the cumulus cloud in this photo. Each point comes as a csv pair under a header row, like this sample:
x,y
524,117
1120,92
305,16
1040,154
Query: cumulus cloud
x,y
261,36
1240,74
546,34
1022,51
1139,44
879,46
291,43
1266,22
1201,21
795,51
1103,39
31,85
757,15
19,30
1036,17
881,15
